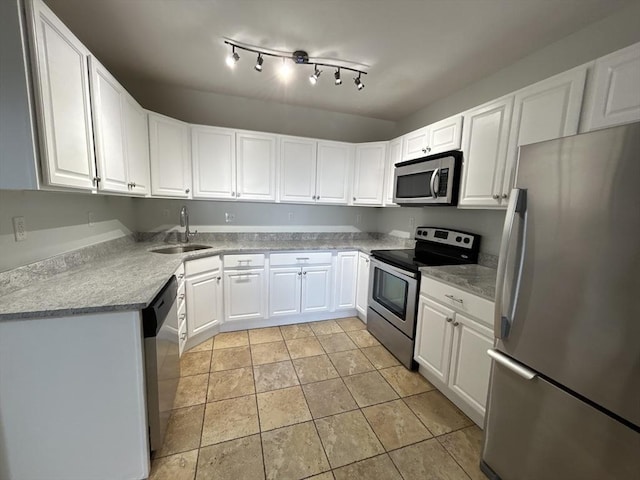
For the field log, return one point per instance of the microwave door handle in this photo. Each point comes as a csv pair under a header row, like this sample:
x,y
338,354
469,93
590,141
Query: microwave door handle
x,y
434,175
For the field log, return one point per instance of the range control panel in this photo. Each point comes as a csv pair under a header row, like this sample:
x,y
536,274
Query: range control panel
x,y
446,236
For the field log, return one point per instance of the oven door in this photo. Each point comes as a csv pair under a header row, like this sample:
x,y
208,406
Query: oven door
x,y
416,183
392,294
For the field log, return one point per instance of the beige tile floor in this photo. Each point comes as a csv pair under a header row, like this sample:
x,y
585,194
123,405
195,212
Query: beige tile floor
x,y
322,400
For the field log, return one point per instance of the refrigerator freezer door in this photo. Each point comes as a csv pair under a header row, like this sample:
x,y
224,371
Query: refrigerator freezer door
x,y
535,430
576,315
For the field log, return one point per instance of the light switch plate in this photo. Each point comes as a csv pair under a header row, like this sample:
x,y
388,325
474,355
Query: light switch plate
x,y
19,229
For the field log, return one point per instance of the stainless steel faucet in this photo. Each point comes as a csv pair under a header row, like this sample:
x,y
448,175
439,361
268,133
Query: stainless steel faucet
x,y
184,222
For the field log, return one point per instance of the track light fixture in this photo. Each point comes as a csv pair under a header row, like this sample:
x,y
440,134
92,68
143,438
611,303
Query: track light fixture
x,y
258,66
299,57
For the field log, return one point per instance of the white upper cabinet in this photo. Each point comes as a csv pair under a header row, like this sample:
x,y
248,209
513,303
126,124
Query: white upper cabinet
x,y
544,111
445,135
484,143
62,101
333,172
213,153
415,144
614,93
256,155
297,170
121,135
368,181
394,156
170,157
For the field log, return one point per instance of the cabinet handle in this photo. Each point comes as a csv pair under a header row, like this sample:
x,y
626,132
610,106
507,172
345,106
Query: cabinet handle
x,y
299,274
96,180
238,195
183,335
187,190
354,199
233,194
318,197
133,184
304,273
181,275
505,195
313,197
183,316
181,296
496,197
451,297
455,324
302,258
449,319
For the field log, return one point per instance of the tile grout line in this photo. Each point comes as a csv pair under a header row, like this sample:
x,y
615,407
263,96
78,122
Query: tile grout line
x,y
255,389
204,412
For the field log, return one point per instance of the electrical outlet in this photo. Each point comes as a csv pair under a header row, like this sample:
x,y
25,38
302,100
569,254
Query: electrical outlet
x,y
91,219
358,218
229,217
291,216
19,229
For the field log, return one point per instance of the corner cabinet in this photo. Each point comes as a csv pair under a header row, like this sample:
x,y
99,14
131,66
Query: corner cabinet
x,y
368,181
203,290
256,156
170,156
345,286
63,103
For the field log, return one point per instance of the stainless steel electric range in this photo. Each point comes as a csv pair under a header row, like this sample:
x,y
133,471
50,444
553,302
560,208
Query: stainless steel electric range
x,y
394,284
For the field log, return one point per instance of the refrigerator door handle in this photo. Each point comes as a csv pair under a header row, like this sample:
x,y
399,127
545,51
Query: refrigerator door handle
x,y
517,205
512,365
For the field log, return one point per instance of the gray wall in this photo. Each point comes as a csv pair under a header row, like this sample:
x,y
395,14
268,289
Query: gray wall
x,y
58,223
163,215
208,108
600,38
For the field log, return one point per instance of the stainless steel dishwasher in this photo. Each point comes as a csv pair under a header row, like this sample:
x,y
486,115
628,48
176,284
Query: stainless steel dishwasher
x,y
162,360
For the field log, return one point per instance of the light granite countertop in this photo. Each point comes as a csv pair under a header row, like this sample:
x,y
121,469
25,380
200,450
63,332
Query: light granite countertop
x,y
475,279
130,276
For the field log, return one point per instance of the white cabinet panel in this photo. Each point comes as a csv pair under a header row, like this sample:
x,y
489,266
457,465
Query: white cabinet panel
x,y
484,143
470,364
415,144
362,289
136,146
345,285
544,111
64,108
433,338
245,294
256,166
368,182
204,301
297,170
170,157
214,162
316,289
285,287
615,94
333,172
445,135
394,156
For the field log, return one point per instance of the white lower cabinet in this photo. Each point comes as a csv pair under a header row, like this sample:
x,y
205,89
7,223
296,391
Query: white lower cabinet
x,y
316,289
245,294
345,286
362,287
285,287
203,291
451,349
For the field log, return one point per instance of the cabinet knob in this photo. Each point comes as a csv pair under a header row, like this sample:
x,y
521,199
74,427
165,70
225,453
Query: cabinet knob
x,y
367,260
183,335
238,195
187,190
96,180
181,275
183,316
455,324
426,149
181,296
233,194
299,274
449,319
505,195
496,197
354,199
318,197
133,184
304,273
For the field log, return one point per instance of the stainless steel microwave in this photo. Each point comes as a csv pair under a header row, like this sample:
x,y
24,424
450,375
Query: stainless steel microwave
x,y
432,180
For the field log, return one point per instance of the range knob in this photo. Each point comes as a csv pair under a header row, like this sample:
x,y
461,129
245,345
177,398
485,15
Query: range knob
x,y
420,232
458,238
466,240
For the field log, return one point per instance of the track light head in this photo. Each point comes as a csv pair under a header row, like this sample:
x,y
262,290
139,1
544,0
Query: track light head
x,y
259,61
358,82
338,80
233,57
314,77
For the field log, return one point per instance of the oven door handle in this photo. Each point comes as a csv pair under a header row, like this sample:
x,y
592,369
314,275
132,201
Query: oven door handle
x,y
391,269
434,175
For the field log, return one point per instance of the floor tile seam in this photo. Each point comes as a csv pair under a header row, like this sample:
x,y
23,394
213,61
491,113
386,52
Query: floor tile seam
x,y
178,452
420,420
206,395
373,430
451,454
416,415
369,458
255,389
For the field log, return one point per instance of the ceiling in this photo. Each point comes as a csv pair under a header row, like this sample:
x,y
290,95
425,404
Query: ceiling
x,y
417,50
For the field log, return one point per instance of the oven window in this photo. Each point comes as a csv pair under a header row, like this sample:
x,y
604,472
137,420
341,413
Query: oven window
x,y
414,185
390,292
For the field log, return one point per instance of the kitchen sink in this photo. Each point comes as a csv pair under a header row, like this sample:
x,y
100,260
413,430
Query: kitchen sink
x,y
180,249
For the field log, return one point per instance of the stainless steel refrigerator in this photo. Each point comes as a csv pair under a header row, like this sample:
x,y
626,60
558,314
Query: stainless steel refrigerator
x,y
564,399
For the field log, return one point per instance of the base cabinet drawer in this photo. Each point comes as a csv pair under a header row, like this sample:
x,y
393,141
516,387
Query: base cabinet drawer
x,y
457,299
244,261
299,258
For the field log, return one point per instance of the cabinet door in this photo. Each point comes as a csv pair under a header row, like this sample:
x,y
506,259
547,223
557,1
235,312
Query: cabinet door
x,y
345,286
256,166
285,286
484,143
64,108
204,305
316,289
394,156
470,364
445,135
544,111
297,170
170,157
615,94
108,123
362,289
214,162
369,173
333,172
414,144
136,135
433,337
244,294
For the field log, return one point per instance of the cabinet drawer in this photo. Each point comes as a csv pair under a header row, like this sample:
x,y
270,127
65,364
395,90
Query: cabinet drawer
x,y
248,260
300,258
193,267
458,299
182,336
180,296
182,314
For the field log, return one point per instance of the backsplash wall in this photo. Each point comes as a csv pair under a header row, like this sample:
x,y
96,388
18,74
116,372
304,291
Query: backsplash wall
x,y
59,222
